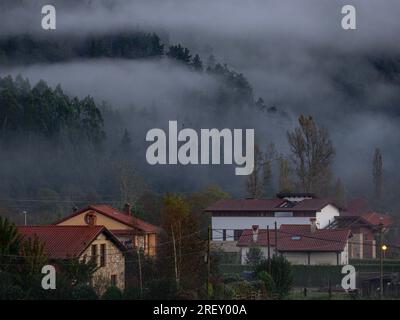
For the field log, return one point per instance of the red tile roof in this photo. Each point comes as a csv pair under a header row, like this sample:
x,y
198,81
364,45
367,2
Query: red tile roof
x,y
377,218
117,215
299,238
360,208
61,242
357,206
268,205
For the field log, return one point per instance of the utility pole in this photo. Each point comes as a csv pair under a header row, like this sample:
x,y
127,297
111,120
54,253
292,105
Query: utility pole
x,y
380,261
140,272
25,220
175,258
269,251
208,259
276,238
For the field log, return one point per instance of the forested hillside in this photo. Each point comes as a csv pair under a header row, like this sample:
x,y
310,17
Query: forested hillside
x,y
60,150
47,113
28,48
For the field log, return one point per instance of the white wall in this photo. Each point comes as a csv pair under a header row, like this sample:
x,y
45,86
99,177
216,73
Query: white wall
x,y
323,217
344,256
296,257
301,258
241,223
326,215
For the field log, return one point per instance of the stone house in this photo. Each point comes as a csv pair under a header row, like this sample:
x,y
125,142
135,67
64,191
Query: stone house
x,y
83,242
132,231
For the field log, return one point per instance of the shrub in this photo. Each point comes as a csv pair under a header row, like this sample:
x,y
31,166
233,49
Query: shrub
x,y
132,293
232,277
12,292
112,293
281,273
254,256
242,288
161,289
83,292
269,283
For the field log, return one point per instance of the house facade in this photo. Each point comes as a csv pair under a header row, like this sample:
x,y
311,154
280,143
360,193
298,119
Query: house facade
x,y
133,232
84,243
229,217
299,244
365,225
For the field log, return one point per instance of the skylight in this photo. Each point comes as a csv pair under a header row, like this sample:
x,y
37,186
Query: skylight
x,y
296,237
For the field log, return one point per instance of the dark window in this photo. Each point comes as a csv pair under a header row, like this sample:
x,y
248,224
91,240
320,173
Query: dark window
x,y
102,255
113,280
224,235
237,234
94,253
283,214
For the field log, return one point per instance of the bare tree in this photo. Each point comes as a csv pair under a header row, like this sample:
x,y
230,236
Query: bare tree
x,y
259,183
312,154
255,183
130,183
285,183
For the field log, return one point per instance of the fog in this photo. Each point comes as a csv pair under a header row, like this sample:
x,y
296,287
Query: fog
x,y
292,52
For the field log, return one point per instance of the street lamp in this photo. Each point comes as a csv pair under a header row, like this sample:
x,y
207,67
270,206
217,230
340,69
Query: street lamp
x,y
25,220
384,248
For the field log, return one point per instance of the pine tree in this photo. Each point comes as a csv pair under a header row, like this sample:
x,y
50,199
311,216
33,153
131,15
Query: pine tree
x,y
377,176
340,193
197,64
179,53
125,146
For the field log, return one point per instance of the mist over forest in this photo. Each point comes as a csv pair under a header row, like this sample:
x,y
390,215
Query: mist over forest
x,y
76,103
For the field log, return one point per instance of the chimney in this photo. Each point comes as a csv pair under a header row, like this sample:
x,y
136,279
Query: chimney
x,y
313,223
255,232
127,209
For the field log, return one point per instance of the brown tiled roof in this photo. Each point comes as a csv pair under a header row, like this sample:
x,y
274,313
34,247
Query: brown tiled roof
x,y
267,205
358,206
61,242
117,215
375,218
299,238
361,209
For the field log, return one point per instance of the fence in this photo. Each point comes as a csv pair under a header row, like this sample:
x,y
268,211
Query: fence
x,y
318,276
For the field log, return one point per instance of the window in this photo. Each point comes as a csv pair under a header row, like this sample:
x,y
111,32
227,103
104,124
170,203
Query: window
x,y
102,255
237,234
296,238
283,214
140,242
113,279
94,253
224,235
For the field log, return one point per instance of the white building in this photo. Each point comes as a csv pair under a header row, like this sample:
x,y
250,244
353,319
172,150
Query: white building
x,y
230,217
299,244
